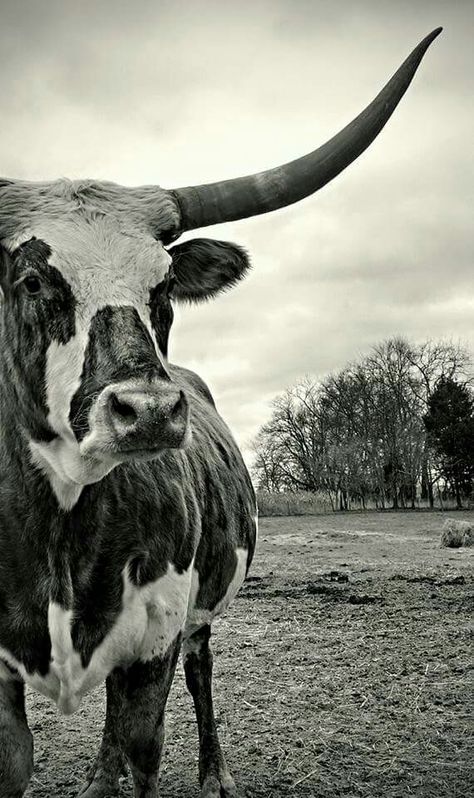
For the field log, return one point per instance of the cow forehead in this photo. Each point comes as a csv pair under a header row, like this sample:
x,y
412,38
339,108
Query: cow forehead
x,y
102,260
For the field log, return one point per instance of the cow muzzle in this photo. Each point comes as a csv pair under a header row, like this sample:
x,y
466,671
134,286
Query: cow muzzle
x,y
137,420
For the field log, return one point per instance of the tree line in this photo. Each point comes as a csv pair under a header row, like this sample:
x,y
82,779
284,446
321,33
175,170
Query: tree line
x,y
391,429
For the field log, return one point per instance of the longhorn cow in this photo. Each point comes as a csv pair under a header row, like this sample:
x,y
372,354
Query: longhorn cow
x,y
127,516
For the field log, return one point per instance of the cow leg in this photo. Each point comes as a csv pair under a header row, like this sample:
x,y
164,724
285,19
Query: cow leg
x,y
214,776
141,693
16,741
134,727
110,764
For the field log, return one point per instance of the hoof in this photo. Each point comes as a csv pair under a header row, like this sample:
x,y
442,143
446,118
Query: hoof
x,y
98,789
223,787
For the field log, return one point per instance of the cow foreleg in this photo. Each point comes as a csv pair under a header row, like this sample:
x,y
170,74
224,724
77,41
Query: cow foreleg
x,y
214,776
110,764
16,741
141,693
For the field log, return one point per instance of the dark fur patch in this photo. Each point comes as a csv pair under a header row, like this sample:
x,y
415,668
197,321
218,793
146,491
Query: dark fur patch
x,y
161,312
203,268
28,325
119,348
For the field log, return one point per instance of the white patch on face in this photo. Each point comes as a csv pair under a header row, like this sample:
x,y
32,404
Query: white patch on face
x,y
151,618
105,265
198,617
67,470
64,363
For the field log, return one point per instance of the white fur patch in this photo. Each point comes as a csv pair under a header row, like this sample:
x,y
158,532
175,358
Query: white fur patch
x,y
64,363
5,674
198,617
67,470
151,618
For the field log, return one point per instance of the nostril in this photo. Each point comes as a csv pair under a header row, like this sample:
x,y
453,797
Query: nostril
x,y
179,406
123,410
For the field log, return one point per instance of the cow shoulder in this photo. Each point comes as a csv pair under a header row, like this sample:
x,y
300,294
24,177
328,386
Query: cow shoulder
x,y
189,379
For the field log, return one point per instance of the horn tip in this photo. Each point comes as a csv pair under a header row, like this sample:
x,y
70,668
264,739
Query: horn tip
x,y
421,49
433,35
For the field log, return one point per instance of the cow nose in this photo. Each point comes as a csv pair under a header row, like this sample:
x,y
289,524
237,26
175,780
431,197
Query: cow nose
x,y
147,418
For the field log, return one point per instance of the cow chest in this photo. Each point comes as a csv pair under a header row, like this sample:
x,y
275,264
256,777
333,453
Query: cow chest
x,y
150,618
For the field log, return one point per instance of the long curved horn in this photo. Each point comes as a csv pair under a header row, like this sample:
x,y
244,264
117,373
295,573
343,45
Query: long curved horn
x,y
228,200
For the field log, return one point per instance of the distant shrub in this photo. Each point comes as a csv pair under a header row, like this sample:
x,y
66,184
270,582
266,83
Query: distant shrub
x,y
457,533
292,503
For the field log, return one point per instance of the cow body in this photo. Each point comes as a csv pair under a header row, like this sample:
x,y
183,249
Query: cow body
x,y
153,550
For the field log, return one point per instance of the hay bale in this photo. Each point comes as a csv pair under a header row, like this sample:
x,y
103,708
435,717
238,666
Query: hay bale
x,y
457,533
468,537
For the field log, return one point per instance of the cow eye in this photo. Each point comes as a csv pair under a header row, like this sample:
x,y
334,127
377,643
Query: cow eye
x,y
171,285
32,284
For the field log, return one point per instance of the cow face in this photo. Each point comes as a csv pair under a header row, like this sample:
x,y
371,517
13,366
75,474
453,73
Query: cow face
x,y
87,312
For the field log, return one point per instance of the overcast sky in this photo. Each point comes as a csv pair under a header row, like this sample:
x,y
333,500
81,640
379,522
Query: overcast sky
x,y
177,93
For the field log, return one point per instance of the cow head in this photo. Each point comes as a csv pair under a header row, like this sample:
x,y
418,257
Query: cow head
x,y
89,278
87,310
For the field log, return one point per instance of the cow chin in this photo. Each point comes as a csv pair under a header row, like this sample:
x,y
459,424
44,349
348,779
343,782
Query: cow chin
x,y
100,447
67,470
71,466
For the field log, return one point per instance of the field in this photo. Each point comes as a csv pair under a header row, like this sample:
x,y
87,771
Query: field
x,y
342,669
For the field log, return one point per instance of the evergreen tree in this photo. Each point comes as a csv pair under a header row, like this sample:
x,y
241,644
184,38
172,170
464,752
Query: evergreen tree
x,y
450,426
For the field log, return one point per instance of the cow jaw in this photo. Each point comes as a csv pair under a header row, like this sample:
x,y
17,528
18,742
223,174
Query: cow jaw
x,y
67,470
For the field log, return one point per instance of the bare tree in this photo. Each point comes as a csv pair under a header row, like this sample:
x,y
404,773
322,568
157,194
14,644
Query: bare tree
x,y
359,434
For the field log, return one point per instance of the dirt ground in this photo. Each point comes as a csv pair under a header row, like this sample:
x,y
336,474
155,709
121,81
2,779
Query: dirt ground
x,y
342,669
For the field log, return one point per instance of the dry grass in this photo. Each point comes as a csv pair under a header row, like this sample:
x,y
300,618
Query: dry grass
x,y
305,503
288,504
344,668
457,533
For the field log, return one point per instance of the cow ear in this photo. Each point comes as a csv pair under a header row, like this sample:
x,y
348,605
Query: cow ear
x,y
203,267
